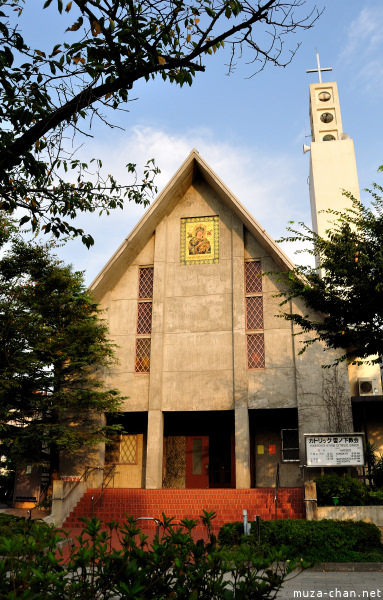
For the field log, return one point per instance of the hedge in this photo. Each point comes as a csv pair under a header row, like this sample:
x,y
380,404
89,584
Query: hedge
x,y
325,540
348,490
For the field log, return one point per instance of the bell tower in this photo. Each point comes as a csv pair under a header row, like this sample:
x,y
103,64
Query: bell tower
x,y
332,155
332,170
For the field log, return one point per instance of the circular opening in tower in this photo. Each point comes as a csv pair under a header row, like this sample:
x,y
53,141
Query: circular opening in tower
x,y
324,96
326,117
328,138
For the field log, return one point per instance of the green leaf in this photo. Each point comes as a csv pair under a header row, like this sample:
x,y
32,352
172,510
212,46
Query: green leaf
x,y
8,56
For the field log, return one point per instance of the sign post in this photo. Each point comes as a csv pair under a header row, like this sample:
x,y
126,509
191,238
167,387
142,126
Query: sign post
x,y
334,449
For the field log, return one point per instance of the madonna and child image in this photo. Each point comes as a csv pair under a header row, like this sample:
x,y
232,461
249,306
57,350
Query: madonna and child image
x,y
199,244
199,240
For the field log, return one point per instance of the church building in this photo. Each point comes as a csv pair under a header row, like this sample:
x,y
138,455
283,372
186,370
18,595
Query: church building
x,y
217,394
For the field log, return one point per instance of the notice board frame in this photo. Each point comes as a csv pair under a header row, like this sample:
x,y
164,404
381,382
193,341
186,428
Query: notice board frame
x,y
327,453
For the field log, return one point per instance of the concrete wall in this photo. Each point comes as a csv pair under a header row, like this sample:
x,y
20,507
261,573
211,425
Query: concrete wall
x,y
370,514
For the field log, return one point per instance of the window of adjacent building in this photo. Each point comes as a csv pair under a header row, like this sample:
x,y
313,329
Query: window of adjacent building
x,y
144,319
290,445
254,315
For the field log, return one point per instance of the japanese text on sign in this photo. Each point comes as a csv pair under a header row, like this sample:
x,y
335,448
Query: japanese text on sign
x,y
334,450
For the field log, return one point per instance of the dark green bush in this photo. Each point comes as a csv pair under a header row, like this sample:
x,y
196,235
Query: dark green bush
x,y
350,491
231,534
10,526
376,497
174,566
325,540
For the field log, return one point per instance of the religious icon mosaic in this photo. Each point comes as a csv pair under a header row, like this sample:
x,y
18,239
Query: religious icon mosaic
x,y
199,240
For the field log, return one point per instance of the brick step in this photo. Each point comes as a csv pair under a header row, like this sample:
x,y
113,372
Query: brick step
x,y
179,503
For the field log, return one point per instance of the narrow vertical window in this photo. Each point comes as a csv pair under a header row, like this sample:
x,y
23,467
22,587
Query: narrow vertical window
x,y
290,445
145,284
253,277
144,319
254,315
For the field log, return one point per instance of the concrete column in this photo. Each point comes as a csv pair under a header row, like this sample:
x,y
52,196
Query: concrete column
x,y
240,384
155,449
155,436
242,448
157,334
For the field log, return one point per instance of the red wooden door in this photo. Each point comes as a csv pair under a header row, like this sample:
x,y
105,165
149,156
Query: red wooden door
x,y
197,461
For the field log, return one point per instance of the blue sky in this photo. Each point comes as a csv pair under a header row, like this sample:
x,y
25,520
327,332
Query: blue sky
x,y
249,129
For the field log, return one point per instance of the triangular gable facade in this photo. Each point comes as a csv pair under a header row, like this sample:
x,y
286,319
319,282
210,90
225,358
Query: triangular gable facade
x,y
217,393
193,169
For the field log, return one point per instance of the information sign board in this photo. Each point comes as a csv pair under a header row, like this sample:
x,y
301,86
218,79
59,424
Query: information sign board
x,y
334,449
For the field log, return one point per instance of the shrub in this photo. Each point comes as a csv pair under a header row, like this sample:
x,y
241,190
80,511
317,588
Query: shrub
x,y
12,526
376,497
231,534
173,566
350,491
311,540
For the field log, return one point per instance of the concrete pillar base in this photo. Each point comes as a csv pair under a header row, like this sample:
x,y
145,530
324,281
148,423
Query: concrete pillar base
x,y
155,450
242,448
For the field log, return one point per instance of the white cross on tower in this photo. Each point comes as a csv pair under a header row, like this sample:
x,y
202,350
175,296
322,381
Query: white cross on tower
x,y
319,70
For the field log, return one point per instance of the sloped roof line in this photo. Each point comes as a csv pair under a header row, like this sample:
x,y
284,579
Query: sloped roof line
x,y
164,203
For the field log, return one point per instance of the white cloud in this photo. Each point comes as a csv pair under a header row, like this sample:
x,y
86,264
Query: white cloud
x,y
363,49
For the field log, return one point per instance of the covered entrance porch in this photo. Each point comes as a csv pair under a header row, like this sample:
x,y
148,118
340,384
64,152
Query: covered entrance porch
x,y
225,449
199,450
